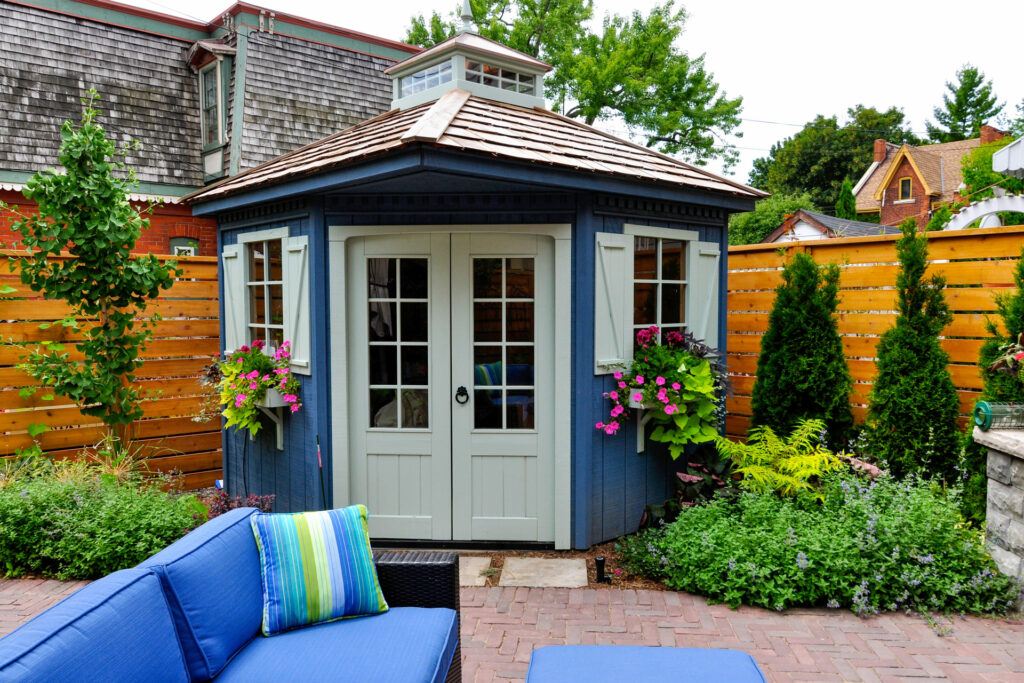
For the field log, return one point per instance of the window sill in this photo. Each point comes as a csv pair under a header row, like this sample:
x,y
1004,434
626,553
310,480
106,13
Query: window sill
x,y
904,201
214,146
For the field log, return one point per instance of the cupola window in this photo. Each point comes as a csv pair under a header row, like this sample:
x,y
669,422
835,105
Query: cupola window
x,y
497,77
423,79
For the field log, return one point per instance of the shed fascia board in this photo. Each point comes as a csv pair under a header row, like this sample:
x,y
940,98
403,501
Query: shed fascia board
x,y
459,163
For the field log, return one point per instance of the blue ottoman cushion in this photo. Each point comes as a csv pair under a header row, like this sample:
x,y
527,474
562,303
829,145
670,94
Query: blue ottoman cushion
x,y
406,644
212,579
116,629
637,664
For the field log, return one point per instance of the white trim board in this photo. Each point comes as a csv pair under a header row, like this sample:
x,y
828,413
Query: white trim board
x,y
562,236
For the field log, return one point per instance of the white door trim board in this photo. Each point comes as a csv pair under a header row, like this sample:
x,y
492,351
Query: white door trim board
x,y
562,236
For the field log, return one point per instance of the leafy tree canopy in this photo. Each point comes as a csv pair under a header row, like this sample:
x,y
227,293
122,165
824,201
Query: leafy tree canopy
x,y
752,227
824,153
980,181
966,106
631,69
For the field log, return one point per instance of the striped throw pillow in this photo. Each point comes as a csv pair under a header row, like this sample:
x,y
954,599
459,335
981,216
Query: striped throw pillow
x,y
316,566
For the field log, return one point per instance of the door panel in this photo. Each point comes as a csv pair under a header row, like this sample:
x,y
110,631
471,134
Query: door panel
x,y
400,427
502,336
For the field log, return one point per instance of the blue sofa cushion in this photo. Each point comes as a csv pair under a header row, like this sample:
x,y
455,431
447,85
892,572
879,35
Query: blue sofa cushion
x,y
406,644
116,629
638,664
212,579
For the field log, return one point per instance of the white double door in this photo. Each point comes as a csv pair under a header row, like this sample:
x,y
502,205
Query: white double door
x,y
451,390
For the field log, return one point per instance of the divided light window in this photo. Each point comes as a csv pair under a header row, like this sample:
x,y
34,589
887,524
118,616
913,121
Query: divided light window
x,y
905,189
499,77
209,93
265,289
426,78
659,283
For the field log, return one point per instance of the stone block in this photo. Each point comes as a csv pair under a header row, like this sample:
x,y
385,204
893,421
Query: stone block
x,y
1008,563
997,525
1006,499
471,568
1014,539
544,573
999,467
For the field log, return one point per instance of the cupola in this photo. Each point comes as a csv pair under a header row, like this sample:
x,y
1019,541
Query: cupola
x,y
469,62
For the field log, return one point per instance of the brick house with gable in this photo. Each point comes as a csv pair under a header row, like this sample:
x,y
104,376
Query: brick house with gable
x,y
907,181
205,100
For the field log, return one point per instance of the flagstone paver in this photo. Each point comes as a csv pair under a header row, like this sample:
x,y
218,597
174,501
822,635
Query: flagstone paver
x,y
470,568
539,572
502,626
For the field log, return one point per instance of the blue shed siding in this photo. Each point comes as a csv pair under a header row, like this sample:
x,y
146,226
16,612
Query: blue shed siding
x,y
611,483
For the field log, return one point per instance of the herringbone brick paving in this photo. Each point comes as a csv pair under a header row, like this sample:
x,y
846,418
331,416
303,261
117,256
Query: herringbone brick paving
x,y
501,626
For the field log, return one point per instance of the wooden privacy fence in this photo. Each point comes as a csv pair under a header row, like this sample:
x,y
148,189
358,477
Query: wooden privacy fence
x,y
977,264
184,341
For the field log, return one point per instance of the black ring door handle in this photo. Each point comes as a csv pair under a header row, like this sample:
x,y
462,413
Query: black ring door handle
x,y
461,396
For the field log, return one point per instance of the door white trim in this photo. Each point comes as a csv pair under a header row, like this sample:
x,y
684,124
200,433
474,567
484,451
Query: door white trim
x,y
562,236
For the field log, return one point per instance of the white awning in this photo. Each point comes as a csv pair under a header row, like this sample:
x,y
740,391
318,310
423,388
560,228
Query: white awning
x,y
1010,159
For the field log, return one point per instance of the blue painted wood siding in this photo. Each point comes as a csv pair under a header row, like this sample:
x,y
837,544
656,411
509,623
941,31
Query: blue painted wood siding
x,y
611,483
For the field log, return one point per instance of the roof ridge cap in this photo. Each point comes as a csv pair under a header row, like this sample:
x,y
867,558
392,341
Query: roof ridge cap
x,y
679,162
433,123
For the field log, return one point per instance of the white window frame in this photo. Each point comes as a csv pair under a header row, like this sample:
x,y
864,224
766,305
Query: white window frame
x,y
244,241
688,238
213,69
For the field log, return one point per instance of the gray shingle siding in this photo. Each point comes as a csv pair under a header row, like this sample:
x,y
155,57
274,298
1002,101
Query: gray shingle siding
x,y
48,61
297,92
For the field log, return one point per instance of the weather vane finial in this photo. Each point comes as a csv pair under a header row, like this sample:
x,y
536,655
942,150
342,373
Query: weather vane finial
x,y
467,18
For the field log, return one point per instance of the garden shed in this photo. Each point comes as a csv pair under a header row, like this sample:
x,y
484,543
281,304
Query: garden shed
x,y
459,277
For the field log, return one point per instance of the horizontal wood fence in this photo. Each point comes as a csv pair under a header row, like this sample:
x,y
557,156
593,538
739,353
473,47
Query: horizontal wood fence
x,y
184,341
978,264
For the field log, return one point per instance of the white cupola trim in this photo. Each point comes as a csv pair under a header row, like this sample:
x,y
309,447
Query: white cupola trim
x,y
472,63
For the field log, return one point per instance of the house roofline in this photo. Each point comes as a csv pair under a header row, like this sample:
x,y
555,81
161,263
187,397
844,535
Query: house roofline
x,y
904,151
191,30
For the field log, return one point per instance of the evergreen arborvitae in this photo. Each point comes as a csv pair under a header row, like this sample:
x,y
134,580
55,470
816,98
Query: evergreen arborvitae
x,y
801,372
913,407
846,204
999,386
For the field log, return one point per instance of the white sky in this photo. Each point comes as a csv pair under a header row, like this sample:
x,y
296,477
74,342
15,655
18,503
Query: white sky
x,y
789,59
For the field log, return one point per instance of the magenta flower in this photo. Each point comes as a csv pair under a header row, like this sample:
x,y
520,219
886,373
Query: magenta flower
x,y
618,410
663,395
290,398
639,379
638,397
239,400
613,395
599,425
622,385
659,380
669,409
295,407
677,386
252,386
617,375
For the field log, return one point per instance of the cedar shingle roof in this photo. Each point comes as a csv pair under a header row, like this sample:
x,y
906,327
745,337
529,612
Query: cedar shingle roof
x,y
462,121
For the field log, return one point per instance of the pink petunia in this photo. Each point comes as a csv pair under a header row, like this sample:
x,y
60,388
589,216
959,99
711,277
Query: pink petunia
x,y
663,395
622,385
617,375
618,410
669,409
252,386
613,395
677,386
239,400
638,397
290,398
659,380
295,407
599,425
639,379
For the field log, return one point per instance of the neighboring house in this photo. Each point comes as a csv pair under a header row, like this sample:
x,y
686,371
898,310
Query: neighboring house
x,y
811,225
204,100
905,181
460,277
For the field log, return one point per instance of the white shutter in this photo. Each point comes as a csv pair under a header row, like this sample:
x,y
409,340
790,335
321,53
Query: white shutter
x,y
296,302
233,277
703,287
613,302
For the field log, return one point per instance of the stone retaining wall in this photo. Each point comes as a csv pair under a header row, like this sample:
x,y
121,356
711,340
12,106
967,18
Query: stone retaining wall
x,y
1005,531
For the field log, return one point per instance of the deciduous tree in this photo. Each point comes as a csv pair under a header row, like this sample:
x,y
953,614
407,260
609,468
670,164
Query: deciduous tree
x,y
631,69
751,227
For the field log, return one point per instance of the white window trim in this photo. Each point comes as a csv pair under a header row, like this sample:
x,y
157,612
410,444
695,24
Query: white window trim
x,y
663,234
244,240
204,73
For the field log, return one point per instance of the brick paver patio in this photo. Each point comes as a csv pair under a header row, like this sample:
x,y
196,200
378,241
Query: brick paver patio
x,y
501,626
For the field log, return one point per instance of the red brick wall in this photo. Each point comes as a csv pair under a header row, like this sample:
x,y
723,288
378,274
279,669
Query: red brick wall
x,y
894,212
167,221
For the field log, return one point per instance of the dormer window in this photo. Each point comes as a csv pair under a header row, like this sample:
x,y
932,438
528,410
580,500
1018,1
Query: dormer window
x,y
430,77
497,77
211,104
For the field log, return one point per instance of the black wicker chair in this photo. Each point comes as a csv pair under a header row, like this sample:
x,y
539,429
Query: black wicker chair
x,y
416,578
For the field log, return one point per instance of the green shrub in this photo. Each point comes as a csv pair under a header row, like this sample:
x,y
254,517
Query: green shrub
x,y
784,465
998,386
72,522
913,406
886,545
801,372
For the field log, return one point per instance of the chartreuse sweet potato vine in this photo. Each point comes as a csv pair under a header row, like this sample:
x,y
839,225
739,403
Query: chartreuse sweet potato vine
x,y
84,211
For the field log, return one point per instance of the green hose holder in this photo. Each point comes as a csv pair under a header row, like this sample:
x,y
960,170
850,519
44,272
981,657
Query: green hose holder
x,y
983,415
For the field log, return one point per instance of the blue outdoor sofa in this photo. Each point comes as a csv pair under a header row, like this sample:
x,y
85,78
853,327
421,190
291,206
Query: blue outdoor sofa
x,y
192,613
